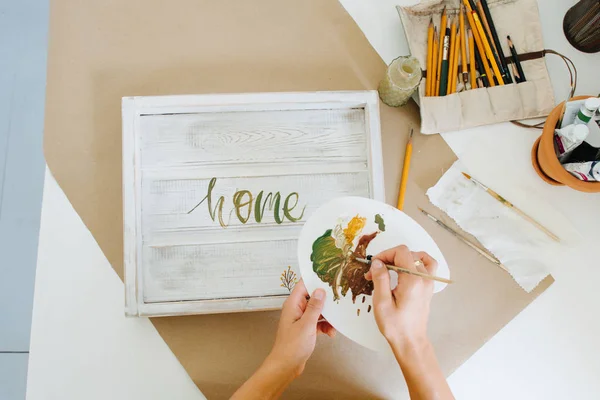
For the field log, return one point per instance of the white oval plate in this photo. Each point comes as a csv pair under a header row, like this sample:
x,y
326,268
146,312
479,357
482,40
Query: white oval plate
x,y
360,326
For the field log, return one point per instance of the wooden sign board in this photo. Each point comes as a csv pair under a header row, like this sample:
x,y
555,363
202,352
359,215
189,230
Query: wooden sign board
x,y
216,189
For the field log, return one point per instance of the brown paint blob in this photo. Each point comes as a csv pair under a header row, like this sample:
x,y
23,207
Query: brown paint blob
x,y
364,298
358,312
369,309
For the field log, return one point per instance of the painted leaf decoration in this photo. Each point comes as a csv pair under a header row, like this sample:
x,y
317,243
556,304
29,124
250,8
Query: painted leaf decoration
x,y
340,237
340,269
355,225
379,222
327,259
354,272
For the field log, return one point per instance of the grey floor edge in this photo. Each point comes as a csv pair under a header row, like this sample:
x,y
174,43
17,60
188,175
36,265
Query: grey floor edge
x,y
23,48
13,376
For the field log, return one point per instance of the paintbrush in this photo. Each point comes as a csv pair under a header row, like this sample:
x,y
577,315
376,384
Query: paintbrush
x,y
465,240
407,271
513,207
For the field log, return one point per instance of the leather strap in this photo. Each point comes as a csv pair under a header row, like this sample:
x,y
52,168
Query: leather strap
x,y
534,55
527,56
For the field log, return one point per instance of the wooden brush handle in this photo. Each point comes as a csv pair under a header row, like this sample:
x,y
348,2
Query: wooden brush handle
x,y
417,273
537,224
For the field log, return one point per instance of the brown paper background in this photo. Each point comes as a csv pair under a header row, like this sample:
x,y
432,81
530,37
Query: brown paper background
x,y
102,51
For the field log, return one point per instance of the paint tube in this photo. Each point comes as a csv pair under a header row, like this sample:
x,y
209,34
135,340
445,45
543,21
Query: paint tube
x,y
568,138
585,171
571,110
585,152
587,110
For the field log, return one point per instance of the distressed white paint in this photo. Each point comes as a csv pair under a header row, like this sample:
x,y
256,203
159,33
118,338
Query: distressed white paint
x,y
181,260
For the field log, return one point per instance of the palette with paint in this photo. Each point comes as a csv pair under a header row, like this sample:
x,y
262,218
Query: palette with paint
x,y
333,237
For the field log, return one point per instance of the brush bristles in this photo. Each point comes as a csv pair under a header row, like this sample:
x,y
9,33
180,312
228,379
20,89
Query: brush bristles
x,y
467,176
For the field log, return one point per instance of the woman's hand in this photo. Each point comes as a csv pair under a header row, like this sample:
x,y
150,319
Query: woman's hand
x,y
299,325
402,313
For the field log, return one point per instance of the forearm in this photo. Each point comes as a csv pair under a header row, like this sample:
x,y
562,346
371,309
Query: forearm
x,y
421,370
267,383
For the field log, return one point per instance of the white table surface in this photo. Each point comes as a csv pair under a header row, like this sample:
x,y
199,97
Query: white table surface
x,y
83,347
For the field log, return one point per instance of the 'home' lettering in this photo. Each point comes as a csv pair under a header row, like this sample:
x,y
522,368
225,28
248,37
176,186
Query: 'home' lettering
x,y
243,201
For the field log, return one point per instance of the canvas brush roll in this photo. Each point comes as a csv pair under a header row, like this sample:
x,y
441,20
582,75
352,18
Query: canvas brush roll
x,y
534,98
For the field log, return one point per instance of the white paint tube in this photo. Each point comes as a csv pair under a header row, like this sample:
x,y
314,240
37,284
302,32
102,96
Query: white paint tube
x,y
585,171
571,110
568,138
587,110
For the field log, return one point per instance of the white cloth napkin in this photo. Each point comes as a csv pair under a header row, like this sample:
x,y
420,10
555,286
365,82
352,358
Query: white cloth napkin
x,y
521,247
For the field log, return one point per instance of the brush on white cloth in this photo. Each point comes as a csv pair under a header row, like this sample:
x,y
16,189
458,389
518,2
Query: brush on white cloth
x,y
522,248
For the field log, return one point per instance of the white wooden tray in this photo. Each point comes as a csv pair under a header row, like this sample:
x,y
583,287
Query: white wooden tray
x,y
188,160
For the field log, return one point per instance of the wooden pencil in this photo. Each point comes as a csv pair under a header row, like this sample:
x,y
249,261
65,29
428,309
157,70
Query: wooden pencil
x,y
496,39
483,77
443,25
480,48
405,170
488,50
451,54
468,6
485,23
445,63
408,271
463,45
516,73
434,72
428,84
516,62
513,207
472,73
488,32
454,72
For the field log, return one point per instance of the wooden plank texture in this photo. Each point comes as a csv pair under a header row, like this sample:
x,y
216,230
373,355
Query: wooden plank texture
x,y
253,137
215,194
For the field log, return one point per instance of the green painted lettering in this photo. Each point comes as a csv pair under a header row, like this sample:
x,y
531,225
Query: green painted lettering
x,y
273,201
239,203
243,201
287,208
218,209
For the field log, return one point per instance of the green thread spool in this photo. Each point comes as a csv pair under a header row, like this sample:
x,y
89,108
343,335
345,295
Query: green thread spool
x,y
400,82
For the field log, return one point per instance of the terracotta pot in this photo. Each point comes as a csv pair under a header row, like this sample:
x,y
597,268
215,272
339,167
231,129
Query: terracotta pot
x,y
536,165
546,163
